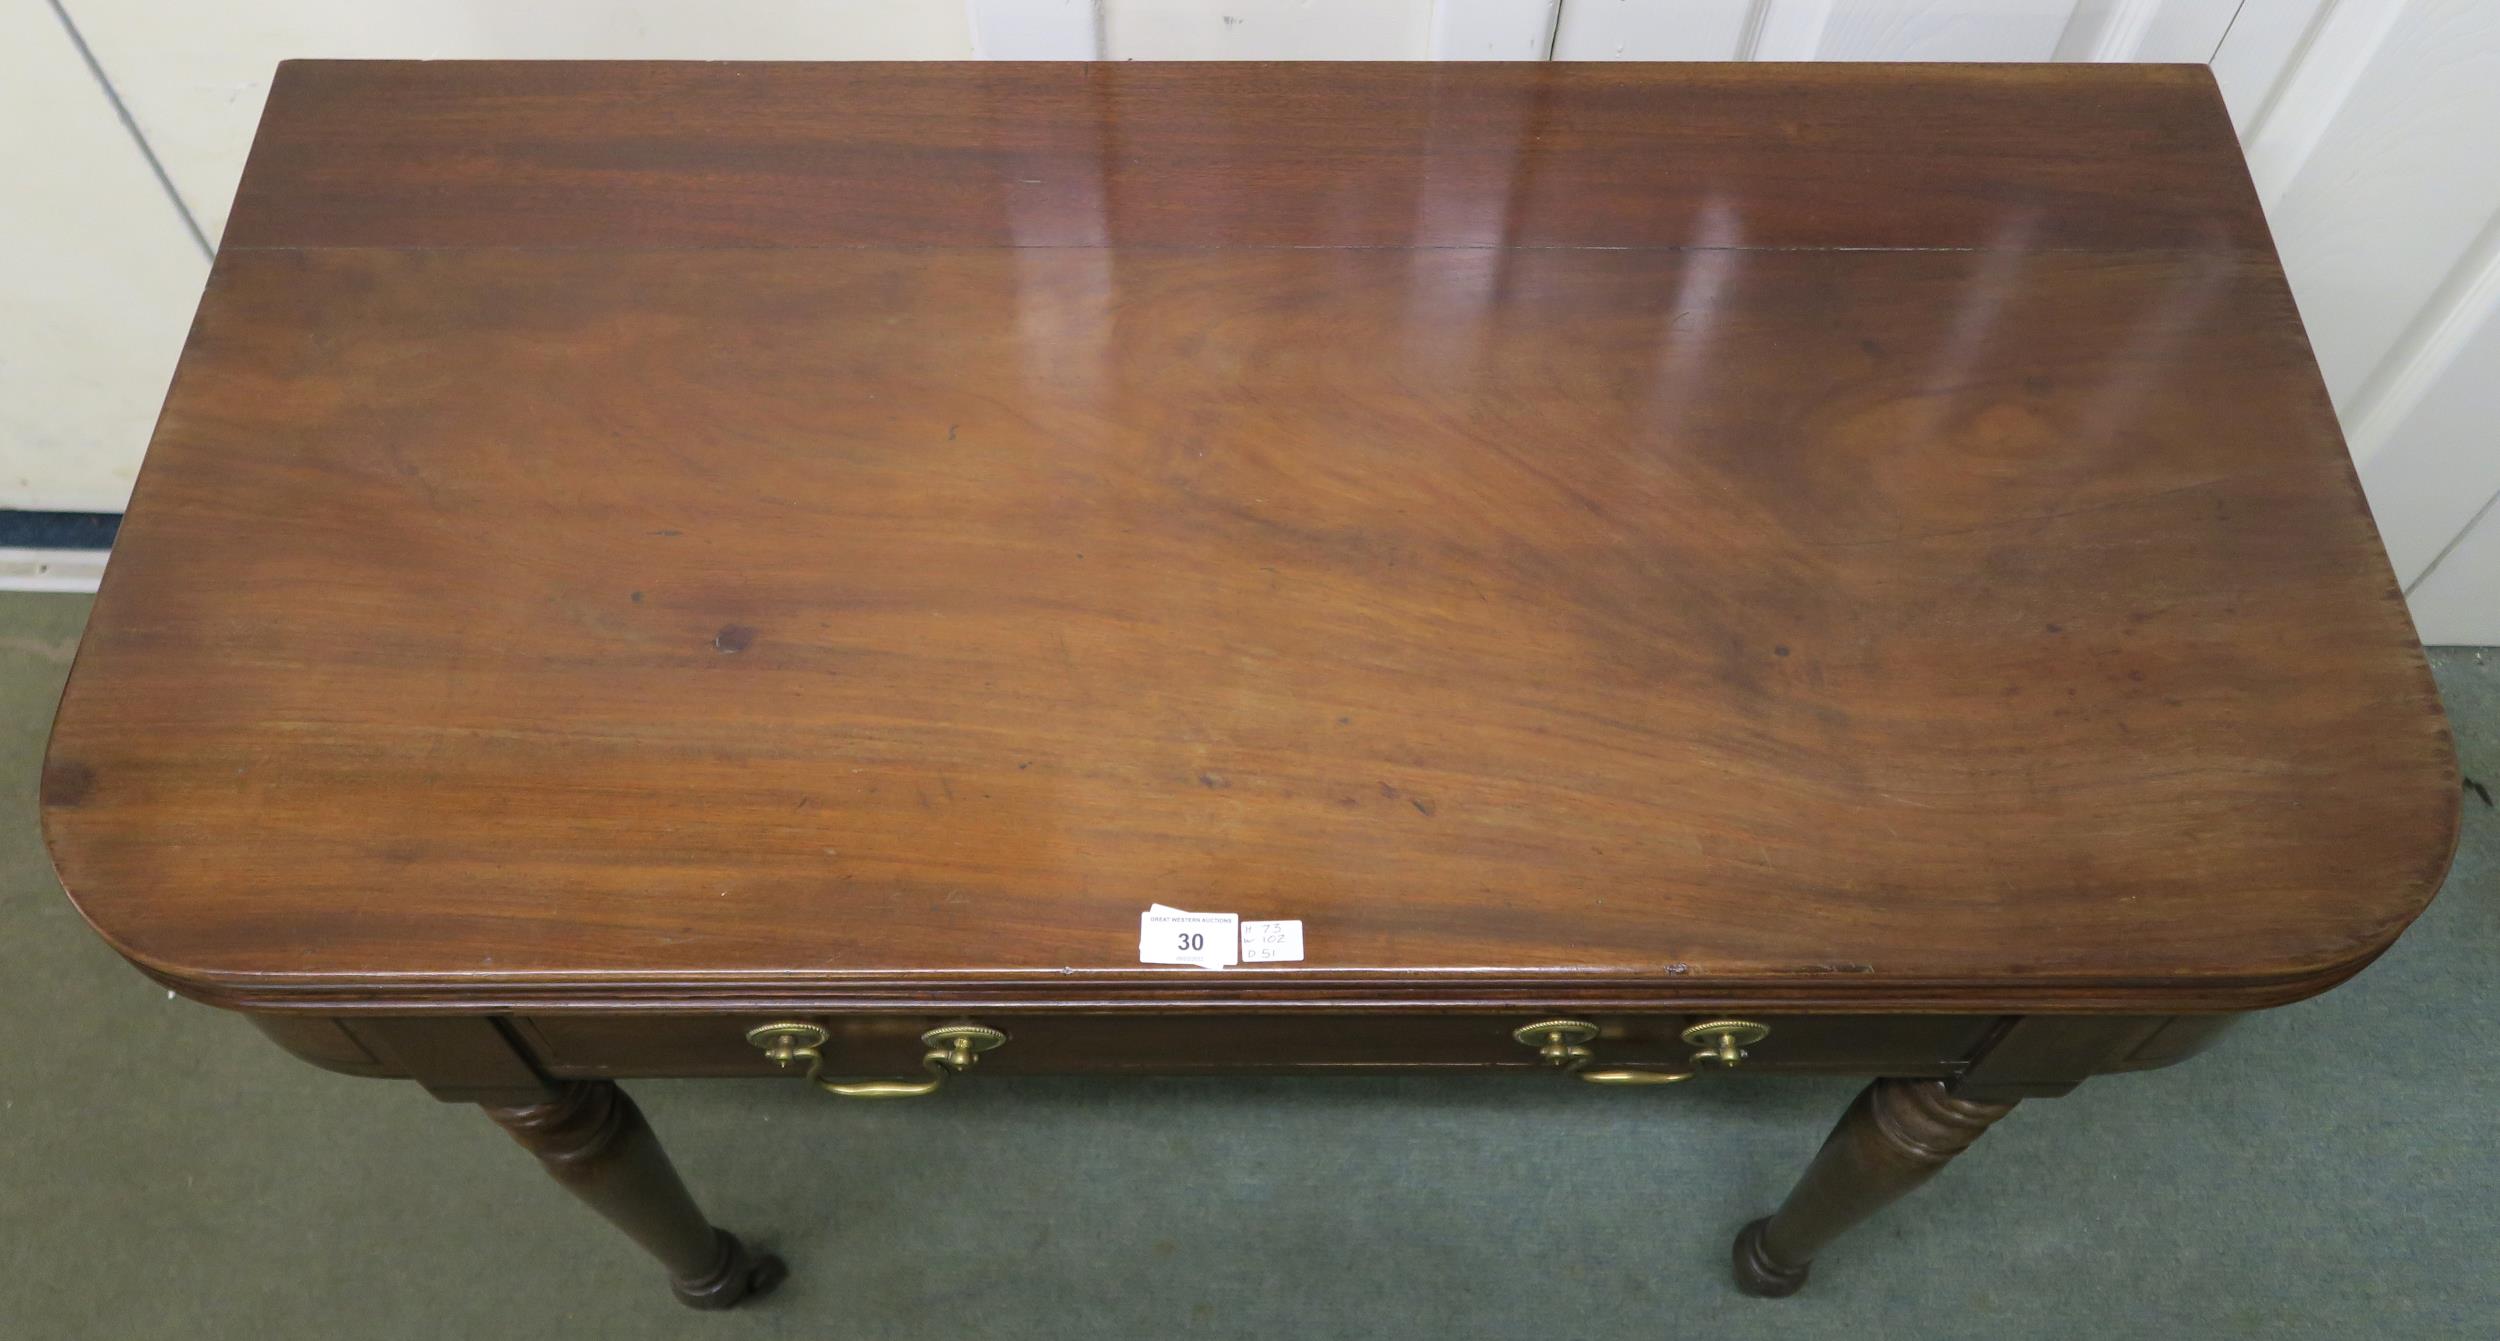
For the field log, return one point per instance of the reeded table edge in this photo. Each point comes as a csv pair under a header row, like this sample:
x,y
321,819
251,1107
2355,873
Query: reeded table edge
x,y
1194,992
1276,988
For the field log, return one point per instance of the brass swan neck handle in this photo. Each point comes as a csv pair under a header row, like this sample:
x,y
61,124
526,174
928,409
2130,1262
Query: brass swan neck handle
x,y
951,1048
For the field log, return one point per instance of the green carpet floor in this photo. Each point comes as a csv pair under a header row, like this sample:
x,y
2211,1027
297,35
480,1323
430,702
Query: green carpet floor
x,y
2330,1170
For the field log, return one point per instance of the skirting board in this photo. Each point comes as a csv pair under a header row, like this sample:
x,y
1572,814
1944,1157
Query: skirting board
x,y
54,551
51,569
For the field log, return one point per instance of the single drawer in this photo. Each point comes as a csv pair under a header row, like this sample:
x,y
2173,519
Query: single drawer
x,y
1043,1043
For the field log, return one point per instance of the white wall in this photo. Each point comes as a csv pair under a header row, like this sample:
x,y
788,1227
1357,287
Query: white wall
x,y
97,278
2372,127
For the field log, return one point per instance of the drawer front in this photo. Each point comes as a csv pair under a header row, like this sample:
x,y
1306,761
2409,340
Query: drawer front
x,y
1043,1044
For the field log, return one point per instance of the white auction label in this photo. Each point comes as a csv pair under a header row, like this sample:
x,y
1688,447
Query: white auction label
x,y
1270,942
1170,936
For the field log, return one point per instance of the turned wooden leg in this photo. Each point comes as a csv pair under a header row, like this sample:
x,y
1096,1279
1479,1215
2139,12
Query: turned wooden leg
x,y
592,1138
1895,1137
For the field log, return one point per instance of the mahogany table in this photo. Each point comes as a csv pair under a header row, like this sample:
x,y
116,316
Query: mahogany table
x,y
737,570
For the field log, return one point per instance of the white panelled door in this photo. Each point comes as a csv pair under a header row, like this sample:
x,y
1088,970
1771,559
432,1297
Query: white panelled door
x,y
2373,131
2375,140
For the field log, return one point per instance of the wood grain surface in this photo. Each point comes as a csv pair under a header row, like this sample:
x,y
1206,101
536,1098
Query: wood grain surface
x,y
1401,155
651,535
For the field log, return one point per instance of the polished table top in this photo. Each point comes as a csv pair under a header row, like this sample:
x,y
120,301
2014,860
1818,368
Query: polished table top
x,y
1836,536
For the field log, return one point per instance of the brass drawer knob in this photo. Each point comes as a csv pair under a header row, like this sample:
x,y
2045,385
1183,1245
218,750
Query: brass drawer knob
x,y
1562,1043
951,1048
1565,1044
1723,1041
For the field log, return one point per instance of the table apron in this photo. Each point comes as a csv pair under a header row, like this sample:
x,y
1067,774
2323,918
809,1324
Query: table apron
x,y
464,1057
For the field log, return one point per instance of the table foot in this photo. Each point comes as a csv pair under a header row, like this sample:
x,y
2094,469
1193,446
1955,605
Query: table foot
x,y
743,1273
591,1138
1757,1274
1897,1135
